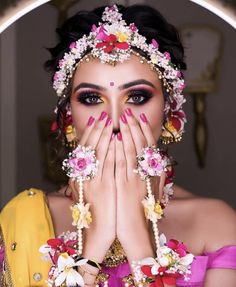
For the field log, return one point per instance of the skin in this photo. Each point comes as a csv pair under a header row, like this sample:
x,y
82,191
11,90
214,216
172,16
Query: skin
x,y
116,208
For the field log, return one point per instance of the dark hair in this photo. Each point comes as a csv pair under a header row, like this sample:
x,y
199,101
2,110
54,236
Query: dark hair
x,y
149,22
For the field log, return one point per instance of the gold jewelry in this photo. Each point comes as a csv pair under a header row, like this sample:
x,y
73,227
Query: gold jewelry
x,y
71,138
115,255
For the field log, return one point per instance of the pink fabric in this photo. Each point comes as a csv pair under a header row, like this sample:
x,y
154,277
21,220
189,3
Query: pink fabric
x,y
225,257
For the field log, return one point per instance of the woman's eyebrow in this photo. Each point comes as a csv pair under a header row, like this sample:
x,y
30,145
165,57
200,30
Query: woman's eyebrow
x,y
136,82
89,85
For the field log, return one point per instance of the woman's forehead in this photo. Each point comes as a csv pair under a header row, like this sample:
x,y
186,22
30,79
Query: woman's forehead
x,y
94,71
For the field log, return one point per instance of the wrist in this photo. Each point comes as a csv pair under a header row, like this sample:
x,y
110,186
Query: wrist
x,y
137,242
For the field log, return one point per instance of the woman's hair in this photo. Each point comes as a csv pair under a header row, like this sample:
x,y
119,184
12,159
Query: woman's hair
x,y
149,22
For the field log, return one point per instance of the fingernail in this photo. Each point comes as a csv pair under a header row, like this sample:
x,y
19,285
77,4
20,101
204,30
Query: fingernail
x,y
102,116
90,121
119,136
143,118
128,112
108,122
112,136
124,119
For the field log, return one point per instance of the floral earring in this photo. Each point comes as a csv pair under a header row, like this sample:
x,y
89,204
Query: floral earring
x,y
69,130
172,128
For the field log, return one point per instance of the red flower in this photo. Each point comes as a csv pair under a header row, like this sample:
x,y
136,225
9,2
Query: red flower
x,y
110,42
178,247
161,278
60,246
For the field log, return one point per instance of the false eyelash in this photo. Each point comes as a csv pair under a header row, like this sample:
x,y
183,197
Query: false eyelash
x,y
83,96
141,93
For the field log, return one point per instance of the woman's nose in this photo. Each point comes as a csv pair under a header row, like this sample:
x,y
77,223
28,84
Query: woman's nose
x,y
115,116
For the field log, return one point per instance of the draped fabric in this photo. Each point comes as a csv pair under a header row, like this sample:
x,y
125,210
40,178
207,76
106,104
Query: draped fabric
x,y
26,224
225,257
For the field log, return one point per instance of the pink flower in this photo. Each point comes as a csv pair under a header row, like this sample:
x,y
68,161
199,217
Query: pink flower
x,y
167,55
78,164
154,43
94,28
133,27
178,247
81,163
154,163
56,76
61,62
73,45
179,74
181,87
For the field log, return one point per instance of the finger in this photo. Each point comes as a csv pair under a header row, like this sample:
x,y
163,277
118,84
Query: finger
x,y
120,160
74,188
162,185
109,162
103,145
146,129
87,131
136,131
128,149
96,132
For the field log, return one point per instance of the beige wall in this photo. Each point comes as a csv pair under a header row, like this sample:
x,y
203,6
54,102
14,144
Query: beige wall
x,y
35,98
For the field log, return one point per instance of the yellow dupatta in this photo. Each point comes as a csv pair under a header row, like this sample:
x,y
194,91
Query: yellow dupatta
x,y
26,225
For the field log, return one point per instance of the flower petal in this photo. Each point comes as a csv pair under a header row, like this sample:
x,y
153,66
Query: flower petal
x,y
186,260
148,261
146,270
60,279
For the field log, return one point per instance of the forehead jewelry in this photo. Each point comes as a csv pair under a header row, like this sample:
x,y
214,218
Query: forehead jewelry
x,y
112,41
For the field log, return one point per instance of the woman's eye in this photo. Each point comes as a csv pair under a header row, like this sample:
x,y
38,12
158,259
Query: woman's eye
x,y
89,98
139,97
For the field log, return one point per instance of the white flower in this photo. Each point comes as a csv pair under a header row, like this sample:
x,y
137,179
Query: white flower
x,y
187,259
67,273
152,262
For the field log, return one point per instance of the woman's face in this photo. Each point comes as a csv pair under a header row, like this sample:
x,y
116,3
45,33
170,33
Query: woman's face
x,y
101,87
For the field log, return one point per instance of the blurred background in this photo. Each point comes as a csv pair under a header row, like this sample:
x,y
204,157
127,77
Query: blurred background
x,y
207,153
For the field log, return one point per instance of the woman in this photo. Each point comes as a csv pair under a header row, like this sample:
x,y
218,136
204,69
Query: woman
x,y
120,97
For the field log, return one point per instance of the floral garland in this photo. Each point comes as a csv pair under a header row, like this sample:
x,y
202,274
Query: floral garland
x,y
62,253
174,262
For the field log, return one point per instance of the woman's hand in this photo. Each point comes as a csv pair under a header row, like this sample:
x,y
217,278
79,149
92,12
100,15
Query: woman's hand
x,y
132,227
100,191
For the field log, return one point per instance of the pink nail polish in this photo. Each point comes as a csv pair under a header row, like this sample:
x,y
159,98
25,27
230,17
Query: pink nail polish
x,y
102,116
108,122
119,136
112,137
128,111
143,118
124,119
90,121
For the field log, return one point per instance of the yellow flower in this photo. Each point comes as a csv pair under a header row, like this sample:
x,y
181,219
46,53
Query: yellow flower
x,y
170,259
88,217
154,59
157,208
122,37
170,127
146,212
75,215
69,129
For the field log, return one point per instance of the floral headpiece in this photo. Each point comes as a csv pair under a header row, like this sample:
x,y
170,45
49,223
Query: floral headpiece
x,y
114,41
